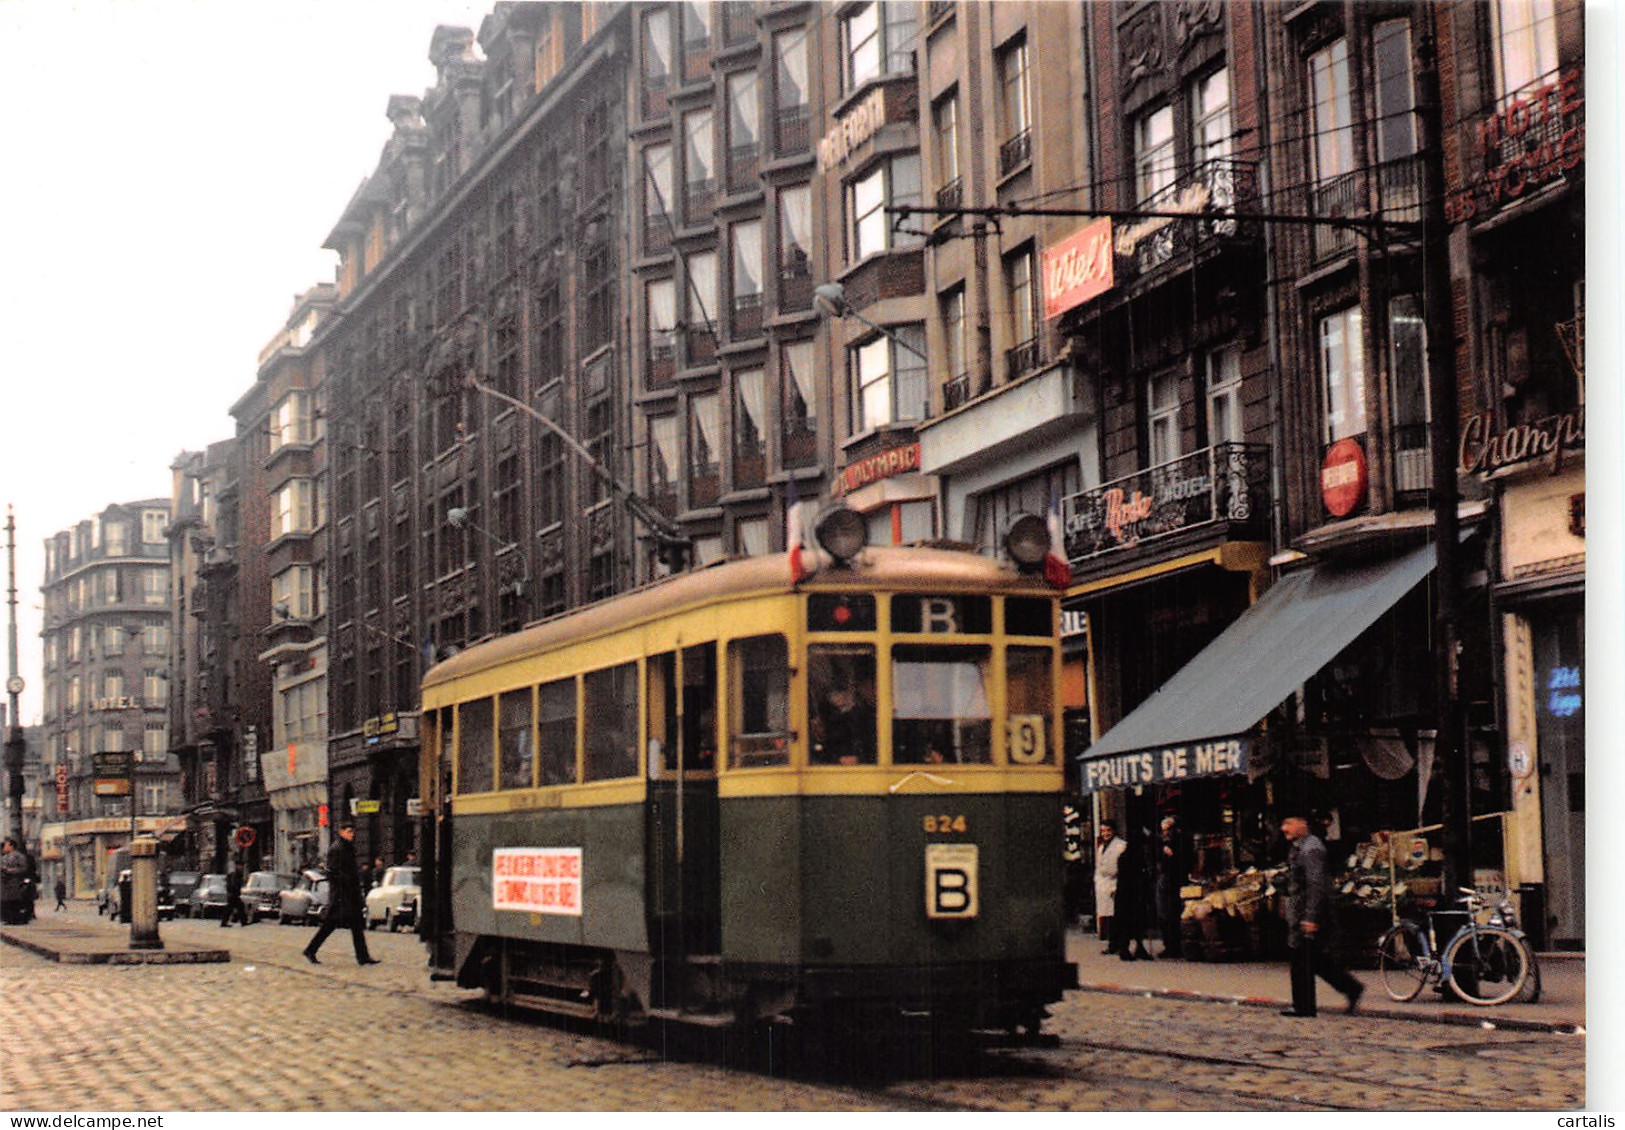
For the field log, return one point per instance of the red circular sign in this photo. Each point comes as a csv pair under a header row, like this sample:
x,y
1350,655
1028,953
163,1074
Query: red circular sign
x,y
243,837
1343,478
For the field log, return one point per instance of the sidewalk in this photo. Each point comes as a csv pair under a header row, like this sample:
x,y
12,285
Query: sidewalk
x,y
74,939
1265,984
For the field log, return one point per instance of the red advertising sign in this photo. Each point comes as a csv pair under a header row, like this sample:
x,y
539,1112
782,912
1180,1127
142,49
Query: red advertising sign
x,y
1343,478
61,788
896,461
1078,268
537,880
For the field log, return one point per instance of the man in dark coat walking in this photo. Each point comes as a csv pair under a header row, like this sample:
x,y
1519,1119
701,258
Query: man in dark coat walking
x,y
234,898
1309,920
344,905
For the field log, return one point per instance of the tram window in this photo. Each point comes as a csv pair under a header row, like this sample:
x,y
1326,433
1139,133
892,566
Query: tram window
x,y
929,614
556,715
612,738
514,718
940,711
840,612
759,689
660,701
700,707
1029,616
1030,699
841,704
474,747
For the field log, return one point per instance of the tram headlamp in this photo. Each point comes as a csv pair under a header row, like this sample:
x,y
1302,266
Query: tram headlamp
x,y
1027,541
842,532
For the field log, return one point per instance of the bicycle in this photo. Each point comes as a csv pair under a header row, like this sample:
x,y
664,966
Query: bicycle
x,y
1485,964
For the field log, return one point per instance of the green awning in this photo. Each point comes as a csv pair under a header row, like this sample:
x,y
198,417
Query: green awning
x,y
1200,722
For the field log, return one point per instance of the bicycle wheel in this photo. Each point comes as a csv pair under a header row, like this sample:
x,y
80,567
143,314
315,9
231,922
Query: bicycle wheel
x,y
1400,957
1487,966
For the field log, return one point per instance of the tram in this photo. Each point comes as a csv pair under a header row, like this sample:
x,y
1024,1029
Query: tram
x,y
740,796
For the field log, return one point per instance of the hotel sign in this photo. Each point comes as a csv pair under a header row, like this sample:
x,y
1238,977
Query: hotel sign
x,y
1535,138
1078,268
859,124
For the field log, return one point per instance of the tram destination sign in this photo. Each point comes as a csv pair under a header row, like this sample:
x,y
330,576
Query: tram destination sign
x,y
1221,757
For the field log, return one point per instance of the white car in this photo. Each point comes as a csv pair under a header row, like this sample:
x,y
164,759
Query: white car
x,y
394,902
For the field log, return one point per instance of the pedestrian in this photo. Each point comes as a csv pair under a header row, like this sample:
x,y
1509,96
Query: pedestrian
x,y
1173,872
344,903
234,898
1131,898
1108,850
372,874
14,899
1309,922
61,893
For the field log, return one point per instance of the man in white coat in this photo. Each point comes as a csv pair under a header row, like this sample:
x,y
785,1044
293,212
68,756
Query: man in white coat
x,y
1108,850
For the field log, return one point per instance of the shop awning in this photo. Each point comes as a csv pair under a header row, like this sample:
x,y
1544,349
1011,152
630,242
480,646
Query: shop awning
x,y
1198,723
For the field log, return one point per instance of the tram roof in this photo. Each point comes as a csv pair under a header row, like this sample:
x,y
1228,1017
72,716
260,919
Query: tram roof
x,y
891,568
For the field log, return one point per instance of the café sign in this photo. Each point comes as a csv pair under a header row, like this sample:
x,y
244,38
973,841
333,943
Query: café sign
x,y
1484,450
1078,268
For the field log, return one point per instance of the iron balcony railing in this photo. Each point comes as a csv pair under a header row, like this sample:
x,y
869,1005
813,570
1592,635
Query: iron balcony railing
x,y
743,163
1015,152
1413,458
1340,197
746,319
1227,484
1023,358
791,131
959,391
1399,189
1215,190
952,194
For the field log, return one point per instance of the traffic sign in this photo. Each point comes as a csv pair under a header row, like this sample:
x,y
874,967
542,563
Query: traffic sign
x,y
243,837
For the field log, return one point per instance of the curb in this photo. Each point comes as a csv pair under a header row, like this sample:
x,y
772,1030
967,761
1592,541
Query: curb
x,y
1459,1019
190,955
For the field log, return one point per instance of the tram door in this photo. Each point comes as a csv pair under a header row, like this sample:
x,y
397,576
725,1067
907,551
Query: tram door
x,y
684,890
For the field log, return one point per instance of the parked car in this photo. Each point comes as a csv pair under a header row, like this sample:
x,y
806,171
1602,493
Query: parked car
x,y
181,885
209,897
394,902
307,901
262,893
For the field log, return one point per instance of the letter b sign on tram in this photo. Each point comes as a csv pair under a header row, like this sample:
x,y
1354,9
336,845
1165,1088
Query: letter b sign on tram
x,y
950,881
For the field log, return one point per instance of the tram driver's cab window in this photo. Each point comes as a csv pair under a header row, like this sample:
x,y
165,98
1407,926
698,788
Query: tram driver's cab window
x,y
841,704
759,691
940,712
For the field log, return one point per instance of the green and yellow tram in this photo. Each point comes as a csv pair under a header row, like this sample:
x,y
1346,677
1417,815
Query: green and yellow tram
x,y
734,796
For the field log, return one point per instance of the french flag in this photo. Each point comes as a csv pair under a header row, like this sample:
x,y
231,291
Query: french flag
x,y
802,561
1057,571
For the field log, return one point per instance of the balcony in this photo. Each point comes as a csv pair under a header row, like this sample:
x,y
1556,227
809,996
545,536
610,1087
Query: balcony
x,y
700,341
951,195
744,161
800,447
699,200
1399,190
1224,486
1023,358
750,464
796,286
1413,460
960,391
791,131
656,234
745,321
662,363
1213,191
704,485
1015,152
1338,198
655,101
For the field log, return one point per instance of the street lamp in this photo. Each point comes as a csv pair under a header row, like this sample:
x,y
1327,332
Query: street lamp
x,y
460,519
834,297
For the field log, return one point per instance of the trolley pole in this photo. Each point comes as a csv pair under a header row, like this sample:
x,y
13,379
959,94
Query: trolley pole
x,y
16,747
1451,753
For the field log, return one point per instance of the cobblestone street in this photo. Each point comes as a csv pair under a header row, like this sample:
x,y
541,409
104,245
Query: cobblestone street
x,y
267,1031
